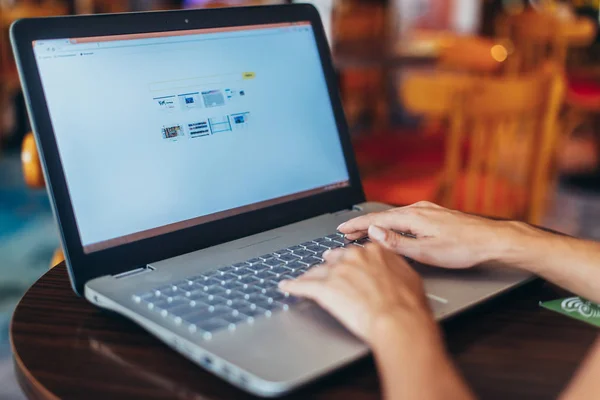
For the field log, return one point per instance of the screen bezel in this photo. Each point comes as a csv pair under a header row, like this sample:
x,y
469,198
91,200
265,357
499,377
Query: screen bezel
x,y
83,267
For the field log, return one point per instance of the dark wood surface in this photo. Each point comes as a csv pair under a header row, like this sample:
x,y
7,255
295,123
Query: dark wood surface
x,y
65,348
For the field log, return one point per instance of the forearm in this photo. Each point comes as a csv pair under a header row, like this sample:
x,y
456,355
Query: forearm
x,y
413,364
573,264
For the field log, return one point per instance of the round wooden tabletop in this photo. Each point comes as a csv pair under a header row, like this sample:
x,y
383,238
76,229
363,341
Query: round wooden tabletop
x,y
66,348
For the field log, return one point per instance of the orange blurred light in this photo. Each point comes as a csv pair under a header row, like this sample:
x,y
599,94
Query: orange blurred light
x,y
499,52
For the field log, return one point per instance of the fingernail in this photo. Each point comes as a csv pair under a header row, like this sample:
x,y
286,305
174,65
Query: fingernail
x,y
377,233
341,225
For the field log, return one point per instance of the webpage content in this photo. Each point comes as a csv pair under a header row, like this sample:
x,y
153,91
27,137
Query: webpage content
x,y
160,133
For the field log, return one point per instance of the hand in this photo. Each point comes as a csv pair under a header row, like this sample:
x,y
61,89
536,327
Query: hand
x,y
368,290
440,237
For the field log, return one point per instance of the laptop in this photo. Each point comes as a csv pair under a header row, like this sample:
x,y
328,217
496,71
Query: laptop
x,y
193,160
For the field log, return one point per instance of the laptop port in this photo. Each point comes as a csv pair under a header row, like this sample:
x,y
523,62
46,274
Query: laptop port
x,y
206,361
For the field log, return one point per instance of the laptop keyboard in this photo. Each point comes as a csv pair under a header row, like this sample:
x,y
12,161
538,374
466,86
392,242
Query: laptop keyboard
x,y
239,293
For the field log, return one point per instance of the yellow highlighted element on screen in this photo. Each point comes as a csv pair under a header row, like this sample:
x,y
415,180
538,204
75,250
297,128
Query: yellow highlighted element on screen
x,y
248,75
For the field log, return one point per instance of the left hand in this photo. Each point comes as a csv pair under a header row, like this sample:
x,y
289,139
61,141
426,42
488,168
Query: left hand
x,y
369,290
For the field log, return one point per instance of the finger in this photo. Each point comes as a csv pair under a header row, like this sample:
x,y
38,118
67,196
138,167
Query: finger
x,y
400,220
318,272
391,240
356,235
309,288
333,256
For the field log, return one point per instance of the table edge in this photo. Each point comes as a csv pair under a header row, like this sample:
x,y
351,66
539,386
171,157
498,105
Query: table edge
x,y
21,372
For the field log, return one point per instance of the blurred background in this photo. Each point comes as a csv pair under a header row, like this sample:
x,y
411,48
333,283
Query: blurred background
x,y
488,106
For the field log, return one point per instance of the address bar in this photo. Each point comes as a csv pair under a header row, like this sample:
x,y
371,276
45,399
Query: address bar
x,y
194,82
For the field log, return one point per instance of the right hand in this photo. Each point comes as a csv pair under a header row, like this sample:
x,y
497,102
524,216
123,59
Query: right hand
x,y
442,237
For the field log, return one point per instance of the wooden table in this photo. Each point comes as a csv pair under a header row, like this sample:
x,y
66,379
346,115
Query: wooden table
x,y
66,348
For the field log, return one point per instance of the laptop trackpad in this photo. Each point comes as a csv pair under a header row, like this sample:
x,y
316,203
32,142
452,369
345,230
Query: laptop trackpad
x,y
451,291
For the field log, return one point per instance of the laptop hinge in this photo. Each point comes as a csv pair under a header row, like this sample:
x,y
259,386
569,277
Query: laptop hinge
x,y
133,272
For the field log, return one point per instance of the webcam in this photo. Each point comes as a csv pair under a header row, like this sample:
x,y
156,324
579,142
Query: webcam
x,y
187,21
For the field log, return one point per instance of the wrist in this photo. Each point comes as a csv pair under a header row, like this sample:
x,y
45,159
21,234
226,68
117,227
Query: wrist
x,y
519,245
402,331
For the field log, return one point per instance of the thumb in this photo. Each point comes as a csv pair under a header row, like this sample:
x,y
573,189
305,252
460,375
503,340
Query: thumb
x,y
396,242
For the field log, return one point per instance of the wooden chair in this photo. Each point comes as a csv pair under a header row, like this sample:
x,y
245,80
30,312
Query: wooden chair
x,y
34,177
542,36
471,54
500,145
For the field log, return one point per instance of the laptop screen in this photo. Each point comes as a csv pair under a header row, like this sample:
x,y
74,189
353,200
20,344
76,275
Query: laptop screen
x,y
161,131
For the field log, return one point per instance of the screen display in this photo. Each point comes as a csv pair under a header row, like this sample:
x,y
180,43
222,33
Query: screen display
x,y
161,131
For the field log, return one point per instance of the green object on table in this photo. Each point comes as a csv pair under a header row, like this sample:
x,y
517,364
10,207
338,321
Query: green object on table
x,y
576,307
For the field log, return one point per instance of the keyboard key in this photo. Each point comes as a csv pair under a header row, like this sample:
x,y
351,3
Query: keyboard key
x,y
274,294
315,248
236,319
238,285
199,295
248,279
258,267
224,270
254,312
209,274
192,279
278,271
216,289
289,258
180,284
220,309
256,298
274,262
211,282
363,241
266,304
214,299
281,252
332,244
197,316
208,328
250,289
266,257
321,240
228,277
294,248
157,304
312,260
335,236
303,253
142,297
255,279
203,286
198,304
174,308
266,274
240,273
239,303
296,265
297,273
254,261
310,243
176,302
239,265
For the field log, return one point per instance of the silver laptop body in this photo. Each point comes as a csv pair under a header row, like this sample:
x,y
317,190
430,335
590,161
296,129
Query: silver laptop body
x,y
275,354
